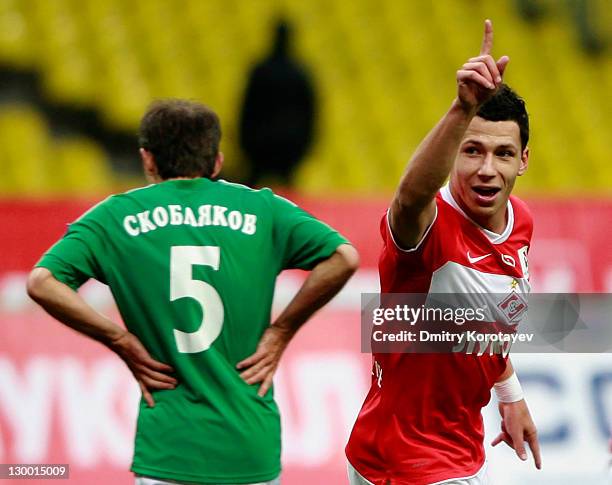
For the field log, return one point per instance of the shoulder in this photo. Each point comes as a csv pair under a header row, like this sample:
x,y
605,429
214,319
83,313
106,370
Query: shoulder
x,y
445,208
450,219
118,203
238,188
117,200
446,220
135,192
520,207
523,218
263,199
96,212
244,191
264,193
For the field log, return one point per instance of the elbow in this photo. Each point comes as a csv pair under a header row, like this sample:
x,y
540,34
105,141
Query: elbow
x,y
36,283
350,257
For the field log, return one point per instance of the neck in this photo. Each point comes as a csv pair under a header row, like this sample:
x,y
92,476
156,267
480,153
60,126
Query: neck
x,y
183,178
156,179
495,223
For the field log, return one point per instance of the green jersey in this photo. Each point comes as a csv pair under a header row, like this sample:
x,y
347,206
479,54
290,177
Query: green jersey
x,y
192,265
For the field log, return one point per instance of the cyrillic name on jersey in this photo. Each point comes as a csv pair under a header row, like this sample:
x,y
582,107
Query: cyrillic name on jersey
x,y
177,215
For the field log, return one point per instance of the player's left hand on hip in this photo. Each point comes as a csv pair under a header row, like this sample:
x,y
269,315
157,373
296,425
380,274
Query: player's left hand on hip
x,y
517,427
261,366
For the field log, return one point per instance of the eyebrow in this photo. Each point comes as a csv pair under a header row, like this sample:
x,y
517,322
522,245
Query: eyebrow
x,y
508,145
478,142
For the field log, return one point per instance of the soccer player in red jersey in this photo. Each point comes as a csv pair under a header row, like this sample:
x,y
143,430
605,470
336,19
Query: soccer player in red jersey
x,y
421,422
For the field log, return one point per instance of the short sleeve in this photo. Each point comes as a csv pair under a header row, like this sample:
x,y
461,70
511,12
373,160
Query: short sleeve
x,y
76,257
302,239
423,254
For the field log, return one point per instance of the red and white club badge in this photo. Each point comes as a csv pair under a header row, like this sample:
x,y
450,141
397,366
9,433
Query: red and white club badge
x,y
513,307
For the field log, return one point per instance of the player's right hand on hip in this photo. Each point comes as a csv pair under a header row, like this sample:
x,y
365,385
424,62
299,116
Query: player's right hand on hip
x,y
150,374
261,366
480,76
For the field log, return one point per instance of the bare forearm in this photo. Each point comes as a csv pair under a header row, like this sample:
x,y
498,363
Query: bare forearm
x,y
433,160
64,304
323,283
413,207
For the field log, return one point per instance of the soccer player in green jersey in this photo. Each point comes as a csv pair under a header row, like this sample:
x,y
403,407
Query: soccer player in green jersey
x,y
192,264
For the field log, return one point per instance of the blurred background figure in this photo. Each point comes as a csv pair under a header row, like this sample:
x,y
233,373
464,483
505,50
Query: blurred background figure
x,y
590,19
278,114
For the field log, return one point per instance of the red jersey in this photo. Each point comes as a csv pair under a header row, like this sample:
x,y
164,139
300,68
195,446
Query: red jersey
x,y
421,421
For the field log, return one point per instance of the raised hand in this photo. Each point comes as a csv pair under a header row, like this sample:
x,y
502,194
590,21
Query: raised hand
x,y
480,76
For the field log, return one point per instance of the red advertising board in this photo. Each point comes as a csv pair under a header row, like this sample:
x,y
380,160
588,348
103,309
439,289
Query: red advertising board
x,y
65,399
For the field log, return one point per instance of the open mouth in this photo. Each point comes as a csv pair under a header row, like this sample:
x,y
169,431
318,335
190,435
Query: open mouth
x,y
485,194
486,191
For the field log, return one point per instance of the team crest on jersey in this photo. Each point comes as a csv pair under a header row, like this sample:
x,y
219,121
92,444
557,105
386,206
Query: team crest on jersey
x,y
509,260
513,307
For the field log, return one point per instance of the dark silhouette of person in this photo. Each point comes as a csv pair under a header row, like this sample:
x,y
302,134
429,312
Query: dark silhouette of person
x,y
277,119
585,16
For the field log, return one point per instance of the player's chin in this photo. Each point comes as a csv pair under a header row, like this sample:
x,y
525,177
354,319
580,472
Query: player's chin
x,y
486,207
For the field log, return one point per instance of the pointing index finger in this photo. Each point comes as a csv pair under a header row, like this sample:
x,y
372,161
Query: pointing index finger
x,y
487,39
534,445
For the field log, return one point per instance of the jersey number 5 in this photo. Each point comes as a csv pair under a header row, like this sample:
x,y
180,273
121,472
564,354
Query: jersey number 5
x,y
182,285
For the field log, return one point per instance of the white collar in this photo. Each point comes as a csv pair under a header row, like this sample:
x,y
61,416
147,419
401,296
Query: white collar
x,y
492,236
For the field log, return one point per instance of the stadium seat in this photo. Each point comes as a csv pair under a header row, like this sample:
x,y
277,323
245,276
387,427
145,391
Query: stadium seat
x,y
383,73
39,164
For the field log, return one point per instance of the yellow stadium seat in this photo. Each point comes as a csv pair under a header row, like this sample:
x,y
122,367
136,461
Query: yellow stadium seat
x,y
383,70
37,164
25,151
82,167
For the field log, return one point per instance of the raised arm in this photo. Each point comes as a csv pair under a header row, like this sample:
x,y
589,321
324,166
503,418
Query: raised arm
x,y
413,206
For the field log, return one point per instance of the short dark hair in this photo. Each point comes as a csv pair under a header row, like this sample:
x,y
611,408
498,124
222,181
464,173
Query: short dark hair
x,y
506,105
183,137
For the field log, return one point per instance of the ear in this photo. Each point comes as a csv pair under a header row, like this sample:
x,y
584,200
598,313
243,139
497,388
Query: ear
x,y
218,165
524,161
149,166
